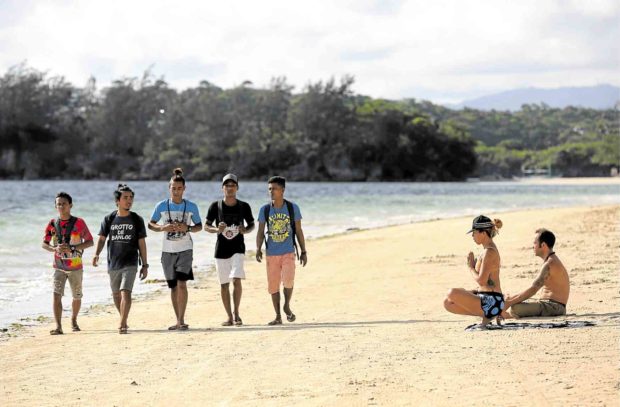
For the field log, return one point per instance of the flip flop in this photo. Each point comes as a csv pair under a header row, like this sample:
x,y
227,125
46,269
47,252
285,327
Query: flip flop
x,y
276,321
238,322
291,317
75,328
173,328
56,332
227,323
122,331
183,327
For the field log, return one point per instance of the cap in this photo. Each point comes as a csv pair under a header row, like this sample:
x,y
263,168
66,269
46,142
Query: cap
x,y
481,222
230,177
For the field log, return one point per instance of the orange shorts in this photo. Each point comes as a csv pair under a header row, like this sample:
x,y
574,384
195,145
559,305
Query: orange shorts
x,y
280,269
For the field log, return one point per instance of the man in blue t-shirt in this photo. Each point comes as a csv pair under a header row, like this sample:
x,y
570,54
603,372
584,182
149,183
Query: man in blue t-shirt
x,y
127,234
283,219
176,216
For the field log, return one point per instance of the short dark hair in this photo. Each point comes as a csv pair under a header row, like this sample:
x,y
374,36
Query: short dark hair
x,y
120,189
177,176
277,180
546,236
64,195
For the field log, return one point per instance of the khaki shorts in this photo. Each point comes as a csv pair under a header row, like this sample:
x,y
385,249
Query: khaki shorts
x,y
280,269
539,308
122,279
75,281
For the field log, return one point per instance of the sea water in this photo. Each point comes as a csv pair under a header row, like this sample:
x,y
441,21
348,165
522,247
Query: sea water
x,y
327,208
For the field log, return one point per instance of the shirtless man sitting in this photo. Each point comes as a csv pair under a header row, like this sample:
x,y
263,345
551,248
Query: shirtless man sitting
x,y
553,279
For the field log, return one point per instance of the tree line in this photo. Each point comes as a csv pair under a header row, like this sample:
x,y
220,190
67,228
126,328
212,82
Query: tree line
x,y
141,128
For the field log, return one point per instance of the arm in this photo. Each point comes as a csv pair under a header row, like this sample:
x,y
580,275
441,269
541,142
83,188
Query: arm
x,y
58,249
144,271
156,227
533,289
84,245
245,230
98,249
303,258
260,237
212,229
194,228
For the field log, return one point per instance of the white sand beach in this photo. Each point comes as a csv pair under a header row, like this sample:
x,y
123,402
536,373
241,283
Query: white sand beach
x,y
370,330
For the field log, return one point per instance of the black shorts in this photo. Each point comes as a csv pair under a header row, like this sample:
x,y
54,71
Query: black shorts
x,y
180,277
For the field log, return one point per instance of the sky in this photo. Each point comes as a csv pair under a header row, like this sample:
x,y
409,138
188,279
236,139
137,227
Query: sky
x,y
445,51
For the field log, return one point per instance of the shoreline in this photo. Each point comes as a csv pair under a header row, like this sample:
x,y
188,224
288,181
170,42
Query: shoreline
x,y
13,329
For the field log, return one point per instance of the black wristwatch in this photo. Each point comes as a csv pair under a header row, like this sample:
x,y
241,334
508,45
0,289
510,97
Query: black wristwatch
x,y
145,265
189,228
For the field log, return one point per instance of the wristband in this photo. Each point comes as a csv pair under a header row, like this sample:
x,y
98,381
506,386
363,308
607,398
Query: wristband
x,y
146,265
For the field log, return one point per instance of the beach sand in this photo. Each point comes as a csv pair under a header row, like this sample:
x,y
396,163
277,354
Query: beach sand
x,y
370,330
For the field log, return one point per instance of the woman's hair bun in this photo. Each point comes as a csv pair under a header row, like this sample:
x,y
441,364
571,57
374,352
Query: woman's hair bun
x,y
177,171
498,223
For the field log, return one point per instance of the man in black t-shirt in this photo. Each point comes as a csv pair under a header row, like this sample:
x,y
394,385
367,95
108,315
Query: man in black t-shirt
x,y
233,219
127,233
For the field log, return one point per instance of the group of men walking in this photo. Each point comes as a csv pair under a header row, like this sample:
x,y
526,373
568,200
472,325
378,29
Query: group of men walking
x,y
177,218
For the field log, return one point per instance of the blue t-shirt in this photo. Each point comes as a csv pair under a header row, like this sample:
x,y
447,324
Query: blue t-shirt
x,y
170,212
279,239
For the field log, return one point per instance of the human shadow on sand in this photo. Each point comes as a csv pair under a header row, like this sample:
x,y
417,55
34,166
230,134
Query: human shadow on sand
x,y
286,326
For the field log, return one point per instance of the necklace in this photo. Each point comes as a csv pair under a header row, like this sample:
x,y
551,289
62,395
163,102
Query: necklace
x,y
549,255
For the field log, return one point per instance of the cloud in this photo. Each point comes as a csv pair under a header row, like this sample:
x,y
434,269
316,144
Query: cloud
x,y
394,49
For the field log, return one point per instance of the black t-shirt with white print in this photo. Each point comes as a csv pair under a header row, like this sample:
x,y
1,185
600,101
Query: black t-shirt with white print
x,y
123,233
230,241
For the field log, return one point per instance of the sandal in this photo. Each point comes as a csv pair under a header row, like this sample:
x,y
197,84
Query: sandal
x,y
56,331
75,327
291,317
122,331
238,321
276,321
227,323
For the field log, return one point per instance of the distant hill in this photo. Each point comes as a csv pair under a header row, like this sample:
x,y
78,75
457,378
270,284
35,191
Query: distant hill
x,y
594,97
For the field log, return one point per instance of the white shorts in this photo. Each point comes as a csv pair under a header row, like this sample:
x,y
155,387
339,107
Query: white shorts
x,y
230,268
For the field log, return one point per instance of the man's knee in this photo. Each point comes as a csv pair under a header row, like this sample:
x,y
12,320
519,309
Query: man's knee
x,y
237,282
224,286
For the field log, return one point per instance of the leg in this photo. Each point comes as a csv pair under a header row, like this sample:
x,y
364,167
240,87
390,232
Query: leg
x,y
288,293
75,280
115,286
288,279
173,298
225,294
117,301
275,299
463,302
181,303
237,290
58,311
274,277
125,307
60,279
76,304
526,309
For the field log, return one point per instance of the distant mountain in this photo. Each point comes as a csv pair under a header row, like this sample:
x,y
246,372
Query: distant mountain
x,y
594,97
